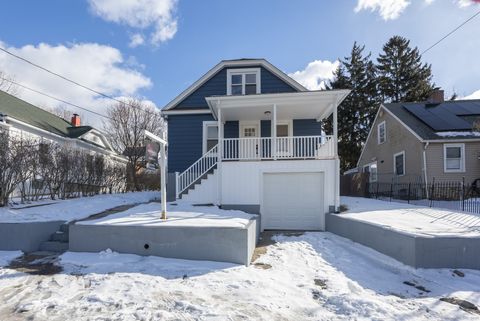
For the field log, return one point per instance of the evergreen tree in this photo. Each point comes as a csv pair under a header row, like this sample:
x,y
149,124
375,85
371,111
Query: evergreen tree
x,y
357,73
401,75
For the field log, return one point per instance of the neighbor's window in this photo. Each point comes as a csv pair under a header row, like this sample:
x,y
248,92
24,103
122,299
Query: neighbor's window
x,y
399,163
243,81
454,157
372,169
382,133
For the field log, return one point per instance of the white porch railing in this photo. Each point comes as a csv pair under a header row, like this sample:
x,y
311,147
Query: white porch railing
x,y
197,170
296,147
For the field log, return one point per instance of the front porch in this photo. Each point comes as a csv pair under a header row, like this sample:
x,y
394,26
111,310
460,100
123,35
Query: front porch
x,y
259,143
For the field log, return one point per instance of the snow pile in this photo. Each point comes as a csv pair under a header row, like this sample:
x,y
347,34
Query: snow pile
x,y
458,134
73,209
181,214
412,219
315,276
7,256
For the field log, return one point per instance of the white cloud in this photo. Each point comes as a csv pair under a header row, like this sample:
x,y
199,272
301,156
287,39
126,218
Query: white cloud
x,y
100,67
158,16
388,9
136,40
474,95
317,72
466,3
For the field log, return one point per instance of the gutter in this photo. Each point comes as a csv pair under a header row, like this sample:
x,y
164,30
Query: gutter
x,y
425,167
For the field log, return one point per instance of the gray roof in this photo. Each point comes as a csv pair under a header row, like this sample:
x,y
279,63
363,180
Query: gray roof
x,y
444,121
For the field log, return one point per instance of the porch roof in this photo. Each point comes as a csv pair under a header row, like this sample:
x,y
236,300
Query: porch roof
x,y
298,105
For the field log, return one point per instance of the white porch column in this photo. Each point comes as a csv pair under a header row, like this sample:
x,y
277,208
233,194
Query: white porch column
x,y
274,132
337,160
219,156
163,177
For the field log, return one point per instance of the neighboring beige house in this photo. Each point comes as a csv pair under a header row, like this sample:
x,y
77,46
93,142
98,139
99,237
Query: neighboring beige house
x,y
422,141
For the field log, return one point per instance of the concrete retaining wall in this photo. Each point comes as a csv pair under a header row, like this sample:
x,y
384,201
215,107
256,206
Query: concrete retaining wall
x,y
224,244
27,236
414,250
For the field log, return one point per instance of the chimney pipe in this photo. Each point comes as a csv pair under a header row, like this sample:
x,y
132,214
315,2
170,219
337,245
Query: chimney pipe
x,y
437,96
75,120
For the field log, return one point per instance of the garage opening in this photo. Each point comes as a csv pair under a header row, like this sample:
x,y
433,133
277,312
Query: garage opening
x,y
293,201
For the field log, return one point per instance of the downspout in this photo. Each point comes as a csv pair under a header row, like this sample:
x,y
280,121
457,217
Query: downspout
x,y
425,167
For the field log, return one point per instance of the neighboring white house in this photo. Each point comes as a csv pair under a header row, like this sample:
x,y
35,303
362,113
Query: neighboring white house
x,y
25,120
247,136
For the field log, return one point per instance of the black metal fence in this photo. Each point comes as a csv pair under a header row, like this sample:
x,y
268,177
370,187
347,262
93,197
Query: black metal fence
x,y
456,195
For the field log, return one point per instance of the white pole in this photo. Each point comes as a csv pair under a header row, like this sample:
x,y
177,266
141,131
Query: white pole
x,y
337,161
219,156
274,132
163,181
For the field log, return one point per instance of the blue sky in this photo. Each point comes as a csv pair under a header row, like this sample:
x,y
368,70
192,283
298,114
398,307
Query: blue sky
x,y
178,41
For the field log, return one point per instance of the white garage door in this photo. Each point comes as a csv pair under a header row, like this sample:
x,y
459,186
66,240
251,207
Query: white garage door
x,y
293,201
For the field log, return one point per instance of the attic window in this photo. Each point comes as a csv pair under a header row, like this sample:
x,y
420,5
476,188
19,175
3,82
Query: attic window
x,y
243,81
382,133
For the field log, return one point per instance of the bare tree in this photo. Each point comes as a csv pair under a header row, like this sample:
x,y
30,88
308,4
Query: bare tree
x,y
125,128
7,85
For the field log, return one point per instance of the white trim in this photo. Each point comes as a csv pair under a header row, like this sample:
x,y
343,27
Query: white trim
x,y
383,108
249,123
369,165
186,112
384,132
462,158
262,62
243,72
207,123
395,163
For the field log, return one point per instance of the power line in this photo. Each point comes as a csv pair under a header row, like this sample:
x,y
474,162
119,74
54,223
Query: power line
x,y
451,32
55,98
70,80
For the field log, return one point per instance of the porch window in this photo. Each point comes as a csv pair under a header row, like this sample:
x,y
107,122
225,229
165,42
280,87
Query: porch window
x,y
454,158
243,81
210,135
399,163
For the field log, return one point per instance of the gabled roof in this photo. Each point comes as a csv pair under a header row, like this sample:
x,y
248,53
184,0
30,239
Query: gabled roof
x,y
233,63
22,111
450,120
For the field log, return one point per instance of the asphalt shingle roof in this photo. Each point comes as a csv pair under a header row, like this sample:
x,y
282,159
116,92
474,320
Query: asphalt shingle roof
x,y
420,126
21,110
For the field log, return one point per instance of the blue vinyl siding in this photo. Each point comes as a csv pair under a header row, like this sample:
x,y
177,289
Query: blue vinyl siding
x,y
306,127
185,140
217,86
230,129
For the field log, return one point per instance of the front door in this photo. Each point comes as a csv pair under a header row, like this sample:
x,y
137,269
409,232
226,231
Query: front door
x,y
250,143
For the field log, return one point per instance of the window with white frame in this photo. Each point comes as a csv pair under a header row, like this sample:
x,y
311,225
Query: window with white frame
x,y
399,163
372,169
243,81
454,157
382,132
210,135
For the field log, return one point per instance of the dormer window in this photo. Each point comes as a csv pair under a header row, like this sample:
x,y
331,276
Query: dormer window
x,y
243,81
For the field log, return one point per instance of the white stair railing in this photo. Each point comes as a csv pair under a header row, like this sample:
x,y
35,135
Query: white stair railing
x,y
197,170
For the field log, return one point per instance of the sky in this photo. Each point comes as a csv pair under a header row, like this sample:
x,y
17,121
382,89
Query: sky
x,y
154,49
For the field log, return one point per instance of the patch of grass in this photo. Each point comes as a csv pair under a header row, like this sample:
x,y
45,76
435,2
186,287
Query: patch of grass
x,y
343,208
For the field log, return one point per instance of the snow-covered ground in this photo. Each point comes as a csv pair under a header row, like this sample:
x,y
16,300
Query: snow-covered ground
x,y
179,214
72,209
316,276
412,218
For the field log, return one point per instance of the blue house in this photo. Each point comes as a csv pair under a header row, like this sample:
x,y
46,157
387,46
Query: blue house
x,y
247,136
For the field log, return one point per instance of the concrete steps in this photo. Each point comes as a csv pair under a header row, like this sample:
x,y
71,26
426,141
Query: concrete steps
x,y
53,246
58,242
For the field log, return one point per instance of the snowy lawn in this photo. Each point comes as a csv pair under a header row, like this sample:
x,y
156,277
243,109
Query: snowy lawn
x,y
315,276
412,218
178,214
72,209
